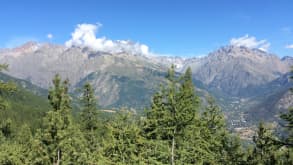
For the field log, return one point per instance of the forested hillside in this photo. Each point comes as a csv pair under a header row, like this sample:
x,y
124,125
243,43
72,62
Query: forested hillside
x,y
177,128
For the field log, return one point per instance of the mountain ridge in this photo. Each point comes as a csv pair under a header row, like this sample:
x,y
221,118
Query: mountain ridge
x,y
232,74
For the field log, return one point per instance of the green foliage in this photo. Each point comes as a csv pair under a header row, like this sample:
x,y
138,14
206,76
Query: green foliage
x,y
3,67
16,149
265,148
125,145
194,148
212,118
213,131
288,118
125,86
173,109
172,132
11,153
58,95
285,154
5,88
89,114
6,128
23,103
60,140
90,125
231,151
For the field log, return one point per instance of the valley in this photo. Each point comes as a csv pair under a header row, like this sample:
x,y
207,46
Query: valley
x,y
249,84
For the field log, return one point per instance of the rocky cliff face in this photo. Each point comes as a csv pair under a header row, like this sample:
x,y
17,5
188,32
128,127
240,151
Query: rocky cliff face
x,y
119,79
40,62
235,75
235,70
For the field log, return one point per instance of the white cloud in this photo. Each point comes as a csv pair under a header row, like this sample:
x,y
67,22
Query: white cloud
x,y
49,36
289,46
84,35
250,42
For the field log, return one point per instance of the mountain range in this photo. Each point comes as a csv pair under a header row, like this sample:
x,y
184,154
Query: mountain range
x,y
249,84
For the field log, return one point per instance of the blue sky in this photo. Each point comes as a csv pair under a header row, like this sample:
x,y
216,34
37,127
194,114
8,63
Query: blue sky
x,y
175,27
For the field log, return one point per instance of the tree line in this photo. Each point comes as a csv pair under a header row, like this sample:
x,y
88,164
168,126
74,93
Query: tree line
x,y
174,130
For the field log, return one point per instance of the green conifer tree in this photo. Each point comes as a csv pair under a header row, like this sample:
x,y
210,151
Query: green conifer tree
x,y
11,153
6,128
157,146
89,114
15,150
231,150
265,148
60,141
90,123
212,129
288,118
173,109
125,145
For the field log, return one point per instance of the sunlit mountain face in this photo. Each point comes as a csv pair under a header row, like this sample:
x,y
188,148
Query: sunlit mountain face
x,y
238,77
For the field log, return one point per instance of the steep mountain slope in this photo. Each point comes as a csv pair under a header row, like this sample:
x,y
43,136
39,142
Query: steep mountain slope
x,y
276,99
119,79
128,84
235,71
240,78
231,70
27,105
24,85
288,60
40,62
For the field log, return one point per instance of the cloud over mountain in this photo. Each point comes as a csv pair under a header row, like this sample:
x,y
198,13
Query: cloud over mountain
x,y
250,42
49,36
84,35
289,46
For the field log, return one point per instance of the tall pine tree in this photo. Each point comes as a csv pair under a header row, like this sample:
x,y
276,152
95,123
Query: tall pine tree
x,y
125,144
173,109
60,142
89,113
90,123
265,148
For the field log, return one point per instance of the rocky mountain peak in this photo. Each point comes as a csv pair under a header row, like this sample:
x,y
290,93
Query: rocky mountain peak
x,y
287,58
240,51
234,69
230,69
26,47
